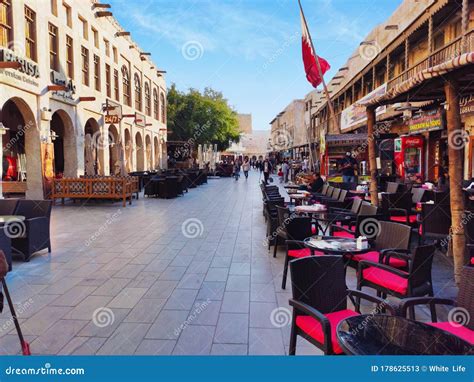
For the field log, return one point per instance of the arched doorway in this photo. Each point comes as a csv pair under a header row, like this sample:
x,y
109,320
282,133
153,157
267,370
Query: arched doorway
x,y
139,152
64,142
148,152
21,147
94,144
114,141
128,151
156,150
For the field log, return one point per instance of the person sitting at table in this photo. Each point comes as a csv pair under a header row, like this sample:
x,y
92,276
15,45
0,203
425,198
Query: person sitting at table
x,y
315,186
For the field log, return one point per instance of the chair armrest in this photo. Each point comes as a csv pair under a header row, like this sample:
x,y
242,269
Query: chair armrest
x,y
340,228
398,250
294,244
318,316
413,301
381,303
388,255
399,210
367,264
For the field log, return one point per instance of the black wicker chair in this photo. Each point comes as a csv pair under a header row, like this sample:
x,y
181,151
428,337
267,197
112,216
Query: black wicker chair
x,y
290,227
36,233
320,301
463,308
386,280
8,206
435,222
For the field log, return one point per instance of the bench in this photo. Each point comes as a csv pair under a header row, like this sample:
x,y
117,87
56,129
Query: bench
x,y
115,188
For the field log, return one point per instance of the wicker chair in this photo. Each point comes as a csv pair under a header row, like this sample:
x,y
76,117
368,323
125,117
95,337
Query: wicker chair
x,y
36,235
291,227
435,222
389,237
366,211
386,280
320,301
464,305
354,210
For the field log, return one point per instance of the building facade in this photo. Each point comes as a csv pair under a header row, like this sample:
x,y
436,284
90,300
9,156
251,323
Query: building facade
x,y
74,89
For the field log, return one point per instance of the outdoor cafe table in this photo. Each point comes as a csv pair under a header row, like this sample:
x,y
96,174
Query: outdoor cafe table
x,y
335,245
392,335
316,211
332,218
299,197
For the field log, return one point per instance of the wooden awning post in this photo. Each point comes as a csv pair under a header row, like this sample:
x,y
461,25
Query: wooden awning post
x,y
374,198
455,154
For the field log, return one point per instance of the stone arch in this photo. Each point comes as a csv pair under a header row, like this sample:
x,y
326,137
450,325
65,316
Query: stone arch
x,y
128,145
23,141
148,153
156,151
139,151
114,141
63,138
98,143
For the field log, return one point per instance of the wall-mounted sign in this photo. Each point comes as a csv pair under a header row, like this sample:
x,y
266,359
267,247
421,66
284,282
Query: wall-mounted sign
x,y
426,121
26,66
356,113
140,120
59,79
111,119
467,105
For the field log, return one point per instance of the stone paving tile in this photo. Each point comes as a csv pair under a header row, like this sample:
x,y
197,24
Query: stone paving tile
x,y
86,309
125,340
232,328
104,325
262,292
172,273
235,302
261,314
111,287
82,346
212,290
240,269
229,349
146,310
155,347
73,296
50,342
181,299
265,342
167,325
237,283
161,289
195,340
44,319
191,281
204,313
217,274
127,298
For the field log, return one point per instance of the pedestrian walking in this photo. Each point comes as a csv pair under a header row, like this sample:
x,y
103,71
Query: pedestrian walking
x,y
286,170
267,169
246,167
237,170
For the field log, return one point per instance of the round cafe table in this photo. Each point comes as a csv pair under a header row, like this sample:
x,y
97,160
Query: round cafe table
x,y
298,197
335,245
391,335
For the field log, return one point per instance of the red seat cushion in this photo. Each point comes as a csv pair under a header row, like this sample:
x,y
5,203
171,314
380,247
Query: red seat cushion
x,y
472,260
303,252
461,331
386,279
314,230
343,234
374,257
313,328
403,219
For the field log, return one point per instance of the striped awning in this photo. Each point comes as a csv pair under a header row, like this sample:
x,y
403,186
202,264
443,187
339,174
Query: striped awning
x,y
422,76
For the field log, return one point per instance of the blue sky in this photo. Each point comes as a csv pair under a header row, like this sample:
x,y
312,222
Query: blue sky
x,y
248,49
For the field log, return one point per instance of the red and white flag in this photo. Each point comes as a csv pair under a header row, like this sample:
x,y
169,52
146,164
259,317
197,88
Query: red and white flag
x,y
313,74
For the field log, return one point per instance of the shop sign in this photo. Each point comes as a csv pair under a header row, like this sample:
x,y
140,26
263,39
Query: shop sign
x,y
140,120
356,113
111,119
467,105
426,121
26,66
59,79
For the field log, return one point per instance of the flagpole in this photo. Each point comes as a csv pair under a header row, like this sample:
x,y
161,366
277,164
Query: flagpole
x,y
326,92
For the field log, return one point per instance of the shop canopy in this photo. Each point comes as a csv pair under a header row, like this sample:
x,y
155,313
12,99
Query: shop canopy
x,y
338,140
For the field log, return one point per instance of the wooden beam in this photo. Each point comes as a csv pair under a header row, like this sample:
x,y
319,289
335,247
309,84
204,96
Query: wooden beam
x,y
145,54
10,65
371,120
119,34
56,88
86,99
103,6
103,14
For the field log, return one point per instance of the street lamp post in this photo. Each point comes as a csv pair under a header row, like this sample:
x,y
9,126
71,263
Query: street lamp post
x,y
3,131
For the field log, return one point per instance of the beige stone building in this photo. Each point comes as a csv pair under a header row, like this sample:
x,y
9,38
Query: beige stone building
x,y
73,82
245,123
288,130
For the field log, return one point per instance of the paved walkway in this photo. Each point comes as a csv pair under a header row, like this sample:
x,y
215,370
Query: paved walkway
x,y
185,276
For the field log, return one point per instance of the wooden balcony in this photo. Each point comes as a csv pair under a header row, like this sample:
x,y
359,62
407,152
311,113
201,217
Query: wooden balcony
x,y
451,50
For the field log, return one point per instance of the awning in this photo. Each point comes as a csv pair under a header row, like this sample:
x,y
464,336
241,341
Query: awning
x,y
338,140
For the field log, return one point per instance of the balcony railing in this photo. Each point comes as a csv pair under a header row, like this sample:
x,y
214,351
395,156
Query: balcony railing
x,y
453,49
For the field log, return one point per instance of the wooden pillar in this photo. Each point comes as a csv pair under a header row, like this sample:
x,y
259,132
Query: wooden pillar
x,y
453,119
374,198
407,49
430,34
464,23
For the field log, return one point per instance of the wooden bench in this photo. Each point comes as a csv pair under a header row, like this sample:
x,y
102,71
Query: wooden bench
x,y
115,188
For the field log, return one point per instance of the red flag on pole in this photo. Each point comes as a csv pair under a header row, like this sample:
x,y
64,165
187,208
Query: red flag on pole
x,y
314,74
